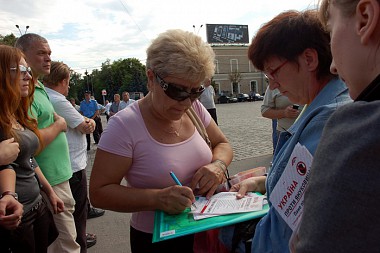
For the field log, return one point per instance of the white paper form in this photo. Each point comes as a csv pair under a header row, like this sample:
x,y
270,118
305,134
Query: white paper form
x,y
226,203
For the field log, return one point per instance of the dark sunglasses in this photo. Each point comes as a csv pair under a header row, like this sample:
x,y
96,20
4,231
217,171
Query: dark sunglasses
x,y
178,93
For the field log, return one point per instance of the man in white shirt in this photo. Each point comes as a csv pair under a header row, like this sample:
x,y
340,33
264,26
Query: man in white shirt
x,y
107,111
207,100
126,100
57,87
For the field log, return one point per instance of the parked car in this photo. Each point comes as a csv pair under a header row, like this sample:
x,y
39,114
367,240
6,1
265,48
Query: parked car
x,y
242,97
232,100
256,97
223,99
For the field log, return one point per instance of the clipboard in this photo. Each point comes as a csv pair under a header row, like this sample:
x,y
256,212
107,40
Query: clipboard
x,y
167,226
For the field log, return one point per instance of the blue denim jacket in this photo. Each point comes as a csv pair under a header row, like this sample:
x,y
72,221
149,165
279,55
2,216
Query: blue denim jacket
x,y
272,233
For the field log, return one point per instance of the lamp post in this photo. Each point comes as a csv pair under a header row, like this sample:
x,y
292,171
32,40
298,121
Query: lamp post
x,y
198,29
26,29
86,73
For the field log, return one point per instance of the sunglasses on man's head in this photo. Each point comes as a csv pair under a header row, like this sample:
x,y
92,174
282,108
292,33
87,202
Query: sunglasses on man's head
x,y
23,70
178,93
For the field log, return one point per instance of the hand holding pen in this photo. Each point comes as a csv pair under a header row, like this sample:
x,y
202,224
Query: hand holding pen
x,y
176,180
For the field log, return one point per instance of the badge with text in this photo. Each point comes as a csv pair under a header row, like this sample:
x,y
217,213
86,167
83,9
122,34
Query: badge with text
x,y
288,194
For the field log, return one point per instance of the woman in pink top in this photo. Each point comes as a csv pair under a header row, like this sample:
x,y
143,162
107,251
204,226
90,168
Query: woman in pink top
x,y
154,136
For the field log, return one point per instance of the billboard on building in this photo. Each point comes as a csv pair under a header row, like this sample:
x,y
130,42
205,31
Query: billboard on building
x,y
227,34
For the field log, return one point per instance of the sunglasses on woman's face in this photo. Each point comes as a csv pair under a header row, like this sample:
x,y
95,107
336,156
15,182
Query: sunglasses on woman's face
x,y
178,93
23,70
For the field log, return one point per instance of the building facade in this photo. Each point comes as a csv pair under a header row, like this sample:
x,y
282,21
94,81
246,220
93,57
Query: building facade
x,y
234,73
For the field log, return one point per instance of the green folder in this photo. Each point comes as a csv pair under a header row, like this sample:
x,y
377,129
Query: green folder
x,y
167,226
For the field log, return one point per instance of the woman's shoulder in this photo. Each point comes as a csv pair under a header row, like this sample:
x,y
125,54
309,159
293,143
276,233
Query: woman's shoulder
x,y
357,114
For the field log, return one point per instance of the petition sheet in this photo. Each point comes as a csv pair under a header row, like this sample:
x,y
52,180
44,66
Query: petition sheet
x,y
226,203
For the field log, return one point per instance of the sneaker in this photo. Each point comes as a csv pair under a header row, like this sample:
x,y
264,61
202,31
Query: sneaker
x,y
90,240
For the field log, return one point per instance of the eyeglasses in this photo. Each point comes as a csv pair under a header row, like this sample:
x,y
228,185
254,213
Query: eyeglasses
x,y
23,70
271,74
177,93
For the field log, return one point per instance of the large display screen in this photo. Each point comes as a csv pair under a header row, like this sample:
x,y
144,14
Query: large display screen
x,y
232,34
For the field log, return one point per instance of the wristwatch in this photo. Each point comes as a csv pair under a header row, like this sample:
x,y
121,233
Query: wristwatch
x,y
9,193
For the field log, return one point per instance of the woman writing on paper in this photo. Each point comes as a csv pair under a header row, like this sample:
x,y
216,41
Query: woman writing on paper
x,y
154,136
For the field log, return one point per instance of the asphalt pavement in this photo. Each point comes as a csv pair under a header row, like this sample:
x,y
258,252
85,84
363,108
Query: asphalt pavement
x,y
250,136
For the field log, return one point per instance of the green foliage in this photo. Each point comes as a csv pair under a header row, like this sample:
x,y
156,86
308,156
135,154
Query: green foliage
x,y
8,39
116,77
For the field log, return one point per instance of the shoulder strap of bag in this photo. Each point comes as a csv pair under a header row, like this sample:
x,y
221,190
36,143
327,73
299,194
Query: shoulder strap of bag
x,y
199,125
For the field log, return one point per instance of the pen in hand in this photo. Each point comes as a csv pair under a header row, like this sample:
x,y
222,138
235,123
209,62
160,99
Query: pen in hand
x,y
179,183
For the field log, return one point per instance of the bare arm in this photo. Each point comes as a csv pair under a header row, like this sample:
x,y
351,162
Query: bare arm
x,y
55,201
252,184
9,151
106,191
7,180
211,175
287,112
95,114
87,126
10,209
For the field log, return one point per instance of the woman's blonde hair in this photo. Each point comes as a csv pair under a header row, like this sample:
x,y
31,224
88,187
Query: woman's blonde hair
x,y
347,7
181,54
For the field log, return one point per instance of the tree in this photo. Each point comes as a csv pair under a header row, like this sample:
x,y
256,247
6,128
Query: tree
x,y
8,39
121,75
76,84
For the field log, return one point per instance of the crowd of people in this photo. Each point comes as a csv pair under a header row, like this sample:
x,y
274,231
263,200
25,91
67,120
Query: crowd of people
x,y
324,88
41,157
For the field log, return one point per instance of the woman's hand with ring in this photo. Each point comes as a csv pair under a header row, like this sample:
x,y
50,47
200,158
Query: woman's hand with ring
x,y
208,178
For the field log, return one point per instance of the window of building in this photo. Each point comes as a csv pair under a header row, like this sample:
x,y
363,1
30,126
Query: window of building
x,y
216,66
234,65
254,86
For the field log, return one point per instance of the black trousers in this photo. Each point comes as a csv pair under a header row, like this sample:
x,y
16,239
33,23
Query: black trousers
x,y
78,185
97,132
35,233
142,243
213,114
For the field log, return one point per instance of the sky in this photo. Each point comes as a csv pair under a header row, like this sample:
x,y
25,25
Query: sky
x,y
85,33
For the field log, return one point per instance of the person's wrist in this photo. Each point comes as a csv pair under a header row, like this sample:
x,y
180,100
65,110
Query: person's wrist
x,y
9,193
223,167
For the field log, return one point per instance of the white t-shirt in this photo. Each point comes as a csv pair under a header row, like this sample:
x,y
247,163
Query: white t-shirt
x,y
124,104
207,97
76,140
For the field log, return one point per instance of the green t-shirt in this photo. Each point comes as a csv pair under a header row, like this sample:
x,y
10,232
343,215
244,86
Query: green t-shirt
x,y
54,160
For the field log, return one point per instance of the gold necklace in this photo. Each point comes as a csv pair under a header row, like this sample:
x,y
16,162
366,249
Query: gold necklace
x,y
176,132
16,125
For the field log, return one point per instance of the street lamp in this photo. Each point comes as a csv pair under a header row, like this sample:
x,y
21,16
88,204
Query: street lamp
x,y
26,29
198,28
86,73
